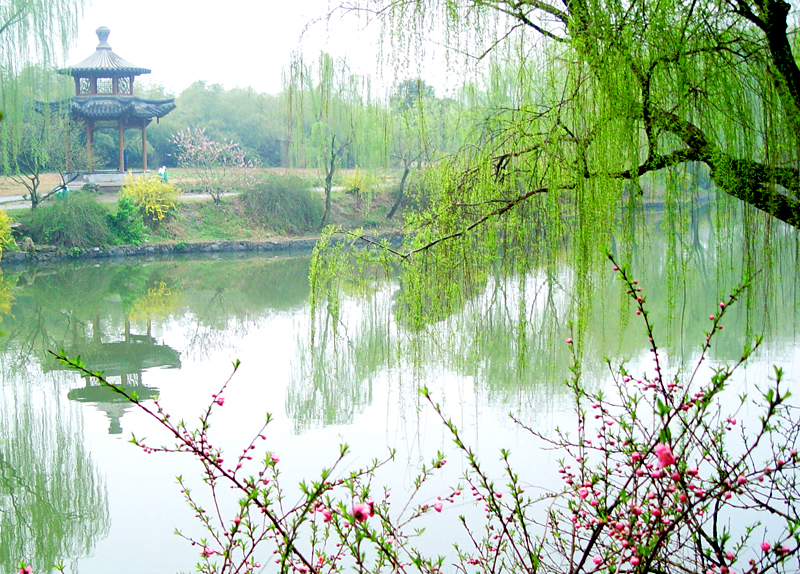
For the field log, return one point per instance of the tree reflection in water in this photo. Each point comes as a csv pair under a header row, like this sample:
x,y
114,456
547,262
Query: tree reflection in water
x,y
53,504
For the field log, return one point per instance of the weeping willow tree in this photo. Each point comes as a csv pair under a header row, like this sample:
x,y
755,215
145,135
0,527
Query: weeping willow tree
x,y
423,130
31,31
334,120
611,91
578,103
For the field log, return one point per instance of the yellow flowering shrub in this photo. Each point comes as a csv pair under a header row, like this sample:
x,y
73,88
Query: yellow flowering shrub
x,y
156,198
6,240
159,301
358,181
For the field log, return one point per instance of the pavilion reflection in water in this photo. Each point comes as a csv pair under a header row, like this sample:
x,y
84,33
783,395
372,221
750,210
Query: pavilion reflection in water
x,y
122,363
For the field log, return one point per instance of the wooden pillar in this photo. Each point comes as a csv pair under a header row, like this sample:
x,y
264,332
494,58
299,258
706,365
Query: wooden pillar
x,y
121,146
144,146
90,143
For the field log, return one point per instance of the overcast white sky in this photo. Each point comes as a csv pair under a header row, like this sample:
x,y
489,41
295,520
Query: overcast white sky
x,y
244,43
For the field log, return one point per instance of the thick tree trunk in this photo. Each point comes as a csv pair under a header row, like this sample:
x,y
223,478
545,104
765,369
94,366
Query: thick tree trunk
x,y
330,169
328,186
752,182
400,192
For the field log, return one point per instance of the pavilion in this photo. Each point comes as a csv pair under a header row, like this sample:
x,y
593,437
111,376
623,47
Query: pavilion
x,y
104,98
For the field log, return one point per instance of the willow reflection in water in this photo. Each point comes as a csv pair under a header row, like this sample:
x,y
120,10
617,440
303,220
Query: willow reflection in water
x,y
506,333
497,346
53,504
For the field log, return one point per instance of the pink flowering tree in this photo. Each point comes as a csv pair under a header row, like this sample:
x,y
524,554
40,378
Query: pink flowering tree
x,y
217,167
339,522
659,476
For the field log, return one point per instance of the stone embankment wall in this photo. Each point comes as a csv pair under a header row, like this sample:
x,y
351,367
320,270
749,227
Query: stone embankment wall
x,y
43,253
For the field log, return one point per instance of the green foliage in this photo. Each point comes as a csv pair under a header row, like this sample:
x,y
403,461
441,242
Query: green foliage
x,y
411,93
45,142
208,221
578,112
334,120
6,240
90,188
33,34
285,203
73,220
126,222
154,197
256,120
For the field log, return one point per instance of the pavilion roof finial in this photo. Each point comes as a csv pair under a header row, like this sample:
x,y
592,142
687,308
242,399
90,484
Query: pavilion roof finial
x,y
102,35
104,62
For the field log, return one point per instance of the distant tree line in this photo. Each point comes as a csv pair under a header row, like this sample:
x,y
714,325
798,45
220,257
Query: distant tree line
x,y
321,101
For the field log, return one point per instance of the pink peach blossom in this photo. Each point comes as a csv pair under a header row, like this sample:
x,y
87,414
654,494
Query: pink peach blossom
x,y
664,453
361,511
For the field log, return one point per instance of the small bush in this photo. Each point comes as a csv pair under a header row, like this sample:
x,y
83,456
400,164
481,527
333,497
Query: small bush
x,y
126,223
285,203
90,188
74,220
6,240
156,198
358,182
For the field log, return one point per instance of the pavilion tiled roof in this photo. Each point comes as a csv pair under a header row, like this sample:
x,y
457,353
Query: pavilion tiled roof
x,y
111,107
107,107
104,61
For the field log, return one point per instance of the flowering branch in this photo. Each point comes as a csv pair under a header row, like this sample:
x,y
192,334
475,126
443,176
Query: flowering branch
x,y
653,483
329,508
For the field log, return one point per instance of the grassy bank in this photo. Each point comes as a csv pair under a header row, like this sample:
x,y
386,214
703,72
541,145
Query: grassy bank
x,y
279,206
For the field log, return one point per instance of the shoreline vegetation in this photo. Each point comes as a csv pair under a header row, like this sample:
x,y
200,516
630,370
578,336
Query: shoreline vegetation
x,y
279,212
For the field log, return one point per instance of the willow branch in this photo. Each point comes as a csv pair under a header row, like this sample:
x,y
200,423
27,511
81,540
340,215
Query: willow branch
x,y
511,204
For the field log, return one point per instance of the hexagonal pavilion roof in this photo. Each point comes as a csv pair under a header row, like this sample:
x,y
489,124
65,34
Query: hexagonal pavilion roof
x,y
104,62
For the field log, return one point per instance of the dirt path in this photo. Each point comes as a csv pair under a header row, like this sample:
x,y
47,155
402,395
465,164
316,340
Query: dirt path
x,y
16,201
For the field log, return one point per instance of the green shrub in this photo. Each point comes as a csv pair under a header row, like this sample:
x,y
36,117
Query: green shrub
x,y
73,220
90,188
126,223
285,203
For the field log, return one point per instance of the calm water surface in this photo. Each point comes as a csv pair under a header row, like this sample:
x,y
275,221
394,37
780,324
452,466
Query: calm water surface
x,y
73,488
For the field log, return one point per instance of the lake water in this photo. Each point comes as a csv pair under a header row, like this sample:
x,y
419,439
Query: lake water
x,y
73,488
